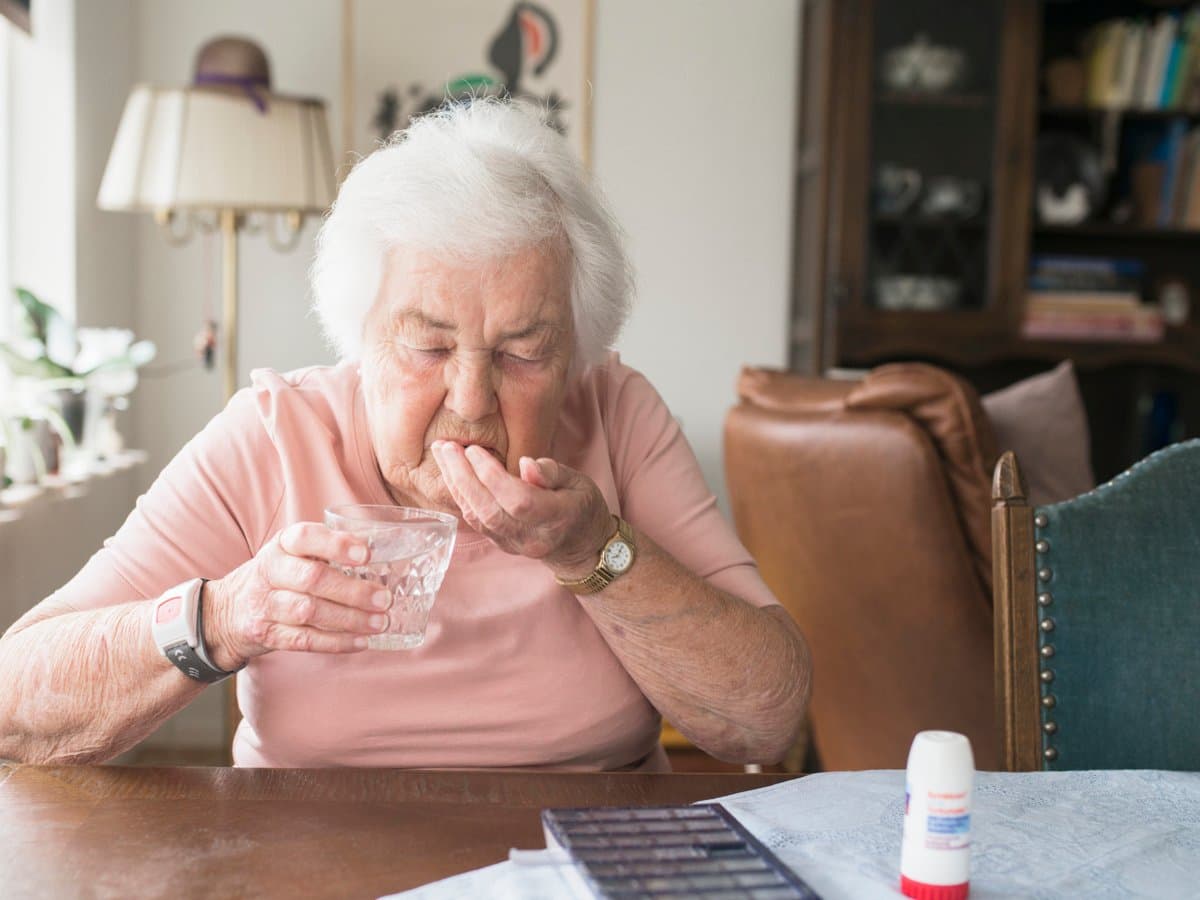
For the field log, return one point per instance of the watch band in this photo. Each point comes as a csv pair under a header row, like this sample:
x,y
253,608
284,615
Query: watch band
x,y
601,576
178,627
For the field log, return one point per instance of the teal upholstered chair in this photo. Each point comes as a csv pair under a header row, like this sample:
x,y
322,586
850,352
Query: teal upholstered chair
x,y
1097,620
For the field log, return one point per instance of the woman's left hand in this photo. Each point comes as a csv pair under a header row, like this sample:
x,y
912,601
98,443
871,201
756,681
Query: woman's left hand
x,y
552,512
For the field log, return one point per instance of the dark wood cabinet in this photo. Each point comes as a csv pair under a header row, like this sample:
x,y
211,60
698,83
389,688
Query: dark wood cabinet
x,y
914,206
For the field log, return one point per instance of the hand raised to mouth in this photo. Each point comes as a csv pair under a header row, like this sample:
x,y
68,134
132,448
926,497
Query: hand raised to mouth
x,y
551,512
464,443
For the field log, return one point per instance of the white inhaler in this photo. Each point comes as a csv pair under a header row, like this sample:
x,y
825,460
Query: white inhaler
x,y
935,853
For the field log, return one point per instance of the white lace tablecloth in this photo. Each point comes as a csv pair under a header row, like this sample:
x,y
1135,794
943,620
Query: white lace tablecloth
x,y
1035,835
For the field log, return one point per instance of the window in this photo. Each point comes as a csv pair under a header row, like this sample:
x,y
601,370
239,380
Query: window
x,y
5,132
37,172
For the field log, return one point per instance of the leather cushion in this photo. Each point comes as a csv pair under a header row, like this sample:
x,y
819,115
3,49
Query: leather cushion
x,y
783,391
947,407
949,410
1043,421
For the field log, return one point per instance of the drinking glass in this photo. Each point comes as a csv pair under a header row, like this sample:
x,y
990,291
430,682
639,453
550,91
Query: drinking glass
x,y
410,550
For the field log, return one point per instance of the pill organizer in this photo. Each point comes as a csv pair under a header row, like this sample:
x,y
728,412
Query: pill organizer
x,y
663,852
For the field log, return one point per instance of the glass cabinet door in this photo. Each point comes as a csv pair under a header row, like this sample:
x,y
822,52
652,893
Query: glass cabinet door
x,y
932,121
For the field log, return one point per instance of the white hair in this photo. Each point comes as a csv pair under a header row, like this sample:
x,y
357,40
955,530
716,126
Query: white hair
x,y
472,182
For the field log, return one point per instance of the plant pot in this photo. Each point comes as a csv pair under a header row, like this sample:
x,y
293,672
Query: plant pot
x,y
73,405
47,443
101,438
24,464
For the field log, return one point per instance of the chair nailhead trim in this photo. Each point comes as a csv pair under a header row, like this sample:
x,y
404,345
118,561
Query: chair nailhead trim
x,y
1046,625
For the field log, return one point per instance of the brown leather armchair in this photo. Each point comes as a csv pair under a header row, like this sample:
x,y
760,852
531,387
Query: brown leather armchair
x,y
867,506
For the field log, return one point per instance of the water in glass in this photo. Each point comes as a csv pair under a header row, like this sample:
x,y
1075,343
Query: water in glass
x,y
410,551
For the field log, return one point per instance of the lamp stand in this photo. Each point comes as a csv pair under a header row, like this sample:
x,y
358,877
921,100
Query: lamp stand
x,y
231,220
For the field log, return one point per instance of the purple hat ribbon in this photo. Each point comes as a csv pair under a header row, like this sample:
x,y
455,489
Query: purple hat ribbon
x,y
246,83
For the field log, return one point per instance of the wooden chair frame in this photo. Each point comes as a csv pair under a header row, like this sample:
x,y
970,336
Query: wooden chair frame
x,y
1018,691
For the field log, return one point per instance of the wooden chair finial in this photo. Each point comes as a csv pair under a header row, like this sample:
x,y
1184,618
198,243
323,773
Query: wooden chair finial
x,y
1008,487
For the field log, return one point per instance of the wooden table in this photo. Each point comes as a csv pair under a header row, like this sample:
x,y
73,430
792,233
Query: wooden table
x,y
108,831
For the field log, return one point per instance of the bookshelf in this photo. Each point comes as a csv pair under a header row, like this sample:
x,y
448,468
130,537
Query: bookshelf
x,y
987,130
1119,230
1133,113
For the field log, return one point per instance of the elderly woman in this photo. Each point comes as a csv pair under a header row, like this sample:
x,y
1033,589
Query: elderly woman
x,y
471,280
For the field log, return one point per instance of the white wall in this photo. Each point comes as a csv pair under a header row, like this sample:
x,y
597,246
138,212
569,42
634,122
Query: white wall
x,y
105,68
694,133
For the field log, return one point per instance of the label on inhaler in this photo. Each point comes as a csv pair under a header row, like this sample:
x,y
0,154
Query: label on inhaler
x,y
947,820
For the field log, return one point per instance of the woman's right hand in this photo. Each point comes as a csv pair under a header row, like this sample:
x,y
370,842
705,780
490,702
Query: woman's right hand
x,y
293,596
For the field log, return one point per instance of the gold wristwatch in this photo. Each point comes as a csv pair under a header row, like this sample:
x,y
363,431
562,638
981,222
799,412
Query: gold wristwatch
x,y
615,560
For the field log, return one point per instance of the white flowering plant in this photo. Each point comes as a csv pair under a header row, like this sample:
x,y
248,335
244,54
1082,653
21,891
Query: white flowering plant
x,y
66,379
51,350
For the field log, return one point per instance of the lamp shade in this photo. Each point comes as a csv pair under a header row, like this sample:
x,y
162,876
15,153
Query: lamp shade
x,y
198,148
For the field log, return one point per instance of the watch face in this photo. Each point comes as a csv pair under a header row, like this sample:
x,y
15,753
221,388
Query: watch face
x,y
618,556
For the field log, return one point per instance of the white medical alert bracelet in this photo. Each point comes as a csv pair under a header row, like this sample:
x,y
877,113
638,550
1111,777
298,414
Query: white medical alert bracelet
x,y
178,627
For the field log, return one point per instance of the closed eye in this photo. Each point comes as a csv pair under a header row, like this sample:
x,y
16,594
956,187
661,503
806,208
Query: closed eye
x,y
517,358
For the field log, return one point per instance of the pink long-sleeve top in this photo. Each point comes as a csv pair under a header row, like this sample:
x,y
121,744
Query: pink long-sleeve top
x,y
513,672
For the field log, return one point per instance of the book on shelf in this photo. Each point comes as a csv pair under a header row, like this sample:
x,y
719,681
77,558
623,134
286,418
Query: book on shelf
x,y
1164,173
1085,274
1184,94
1139,40
1185,182
1088,298
1082,302
1144,63
1140,326
1172,151
1058,262
1162,36
1105,63
1184,58
1161,421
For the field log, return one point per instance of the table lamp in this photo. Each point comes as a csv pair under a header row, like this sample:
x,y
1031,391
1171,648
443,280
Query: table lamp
x,y
208,155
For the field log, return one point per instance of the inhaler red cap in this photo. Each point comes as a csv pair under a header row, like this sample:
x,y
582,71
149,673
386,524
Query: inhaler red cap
x,y
922,891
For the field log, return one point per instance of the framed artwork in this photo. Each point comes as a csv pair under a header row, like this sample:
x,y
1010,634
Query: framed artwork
x,y
402,59
17,12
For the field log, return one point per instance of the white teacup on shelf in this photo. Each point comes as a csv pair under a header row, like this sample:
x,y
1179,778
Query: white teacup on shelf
x,y
923,66
896,188
947,196
927,293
